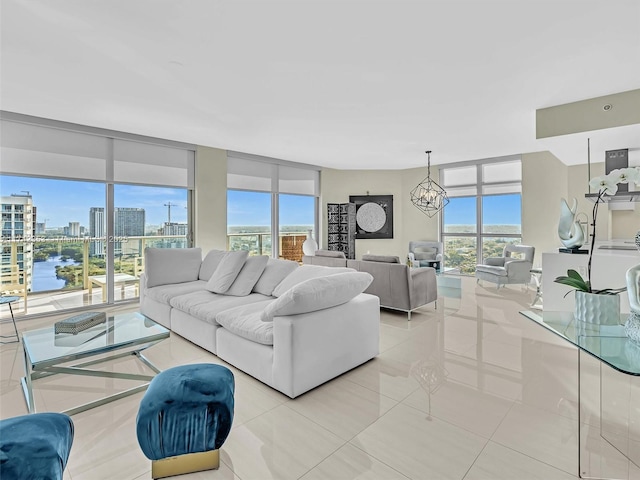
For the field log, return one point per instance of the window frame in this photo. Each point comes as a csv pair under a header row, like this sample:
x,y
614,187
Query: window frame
x,y
479,187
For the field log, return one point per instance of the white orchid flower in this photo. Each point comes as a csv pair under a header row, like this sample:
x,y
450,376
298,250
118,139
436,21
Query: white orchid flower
x,y
607,184
630,175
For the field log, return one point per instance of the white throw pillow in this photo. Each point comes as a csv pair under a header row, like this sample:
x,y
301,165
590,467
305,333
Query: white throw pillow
x,y
306,272
163,266
210,263
248,276
273,274
227,271
317,294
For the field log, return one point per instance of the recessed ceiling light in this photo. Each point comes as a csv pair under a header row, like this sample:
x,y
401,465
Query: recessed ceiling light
x,y
607,107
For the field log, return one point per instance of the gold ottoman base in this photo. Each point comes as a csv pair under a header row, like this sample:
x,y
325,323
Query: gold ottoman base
x,y
187,463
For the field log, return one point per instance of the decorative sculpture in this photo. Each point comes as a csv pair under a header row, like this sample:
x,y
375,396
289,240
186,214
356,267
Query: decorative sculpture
x,y
632,325
569,229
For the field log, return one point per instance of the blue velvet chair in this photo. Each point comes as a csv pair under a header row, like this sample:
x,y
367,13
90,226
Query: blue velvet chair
x,y
184,418
35,447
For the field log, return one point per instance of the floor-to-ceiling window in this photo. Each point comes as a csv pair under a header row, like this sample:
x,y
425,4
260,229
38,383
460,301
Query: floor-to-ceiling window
x,y
484,213
79,205
249,221
271,205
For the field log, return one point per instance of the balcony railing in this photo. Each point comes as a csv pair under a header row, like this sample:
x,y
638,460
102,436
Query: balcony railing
x,y
78,276
70,272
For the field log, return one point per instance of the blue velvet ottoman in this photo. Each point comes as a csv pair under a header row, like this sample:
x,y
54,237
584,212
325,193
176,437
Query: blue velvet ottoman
x,y
35,446
184,418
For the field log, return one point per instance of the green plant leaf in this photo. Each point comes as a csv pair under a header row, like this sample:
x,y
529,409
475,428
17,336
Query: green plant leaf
x,y
574,274
578,284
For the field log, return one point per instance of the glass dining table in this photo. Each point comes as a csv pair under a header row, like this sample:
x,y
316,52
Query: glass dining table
x,y
613,349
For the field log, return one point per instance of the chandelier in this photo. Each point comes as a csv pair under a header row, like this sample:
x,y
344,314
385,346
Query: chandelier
x,y
428,196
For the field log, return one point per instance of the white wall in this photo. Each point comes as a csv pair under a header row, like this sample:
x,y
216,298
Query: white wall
x,y
544,183
211,199
409,222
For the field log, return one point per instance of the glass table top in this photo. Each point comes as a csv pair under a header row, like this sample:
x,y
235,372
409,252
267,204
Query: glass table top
x,y
120,331
608,343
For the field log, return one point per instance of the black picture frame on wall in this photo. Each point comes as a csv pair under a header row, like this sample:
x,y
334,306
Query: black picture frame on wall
x,y
374,216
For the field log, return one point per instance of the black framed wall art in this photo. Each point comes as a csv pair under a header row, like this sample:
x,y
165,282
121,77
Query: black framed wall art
x,y
374,215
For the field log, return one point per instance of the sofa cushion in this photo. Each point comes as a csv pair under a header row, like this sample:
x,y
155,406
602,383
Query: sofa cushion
x,y
275,271
317,294
210,263
306,272
245,322
493,270
205,305
164,293
248,276
425,253
227,271
330,253
381,258
165,266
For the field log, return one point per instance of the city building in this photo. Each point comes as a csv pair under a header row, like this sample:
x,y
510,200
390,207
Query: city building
x,y
73,230
128,222
97,230
18,233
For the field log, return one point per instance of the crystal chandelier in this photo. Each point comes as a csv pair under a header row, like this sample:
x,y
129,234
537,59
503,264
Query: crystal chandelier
x,y
428,196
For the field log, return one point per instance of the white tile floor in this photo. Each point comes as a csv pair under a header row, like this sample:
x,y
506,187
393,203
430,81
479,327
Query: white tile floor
x,y
470,391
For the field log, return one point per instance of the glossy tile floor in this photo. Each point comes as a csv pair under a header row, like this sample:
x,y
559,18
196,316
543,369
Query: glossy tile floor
x,y
472,390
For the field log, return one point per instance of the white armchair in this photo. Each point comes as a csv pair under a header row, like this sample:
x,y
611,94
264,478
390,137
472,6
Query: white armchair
x,y
508,268
426,253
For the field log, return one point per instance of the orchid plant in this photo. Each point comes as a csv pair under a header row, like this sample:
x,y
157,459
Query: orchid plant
x,y
606,185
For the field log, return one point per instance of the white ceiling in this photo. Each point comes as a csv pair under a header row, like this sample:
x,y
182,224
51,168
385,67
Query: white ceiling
x,y
345,84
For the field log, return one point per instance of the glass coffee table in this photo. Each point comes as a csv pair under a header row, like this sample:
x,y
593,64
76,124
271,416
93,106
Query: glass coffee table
x,y
47,353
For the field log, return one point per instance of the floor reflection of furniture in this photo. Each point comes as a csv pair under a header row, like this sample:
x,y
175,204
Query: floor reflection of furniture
x,y
119,279
46,353
8,301
536,275
610,345
13,282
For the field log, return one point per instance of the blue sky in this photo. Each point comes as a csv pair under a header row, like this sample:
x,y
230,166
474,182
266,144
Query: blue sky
x,y
64,201
254,208
498,210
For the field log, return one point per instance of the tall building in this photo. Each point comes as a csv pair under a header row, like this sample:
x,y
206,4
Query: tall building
x,y
128,222
17,233
173,228
74,229
97,229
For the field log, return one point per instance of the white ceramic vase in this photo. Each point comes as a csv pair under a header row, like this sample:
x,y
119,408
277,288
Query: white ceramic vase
x,y
598,309
309,246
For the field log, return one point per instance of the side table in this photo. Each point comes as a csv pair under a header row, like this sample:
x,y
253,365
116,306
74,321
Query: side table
x,y
9,301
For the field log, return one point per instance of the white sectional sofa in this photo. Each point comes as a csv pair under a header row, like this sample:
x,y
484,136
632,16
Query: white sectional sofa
x,y
292,327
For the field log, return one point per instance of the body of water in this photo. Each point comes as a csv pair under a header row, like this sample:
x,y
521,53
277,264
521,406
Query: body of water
x,y
44,275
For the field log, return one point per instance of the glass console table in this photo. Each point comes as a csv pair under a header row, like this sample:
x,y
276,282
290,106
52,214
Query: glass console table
x,y
612,348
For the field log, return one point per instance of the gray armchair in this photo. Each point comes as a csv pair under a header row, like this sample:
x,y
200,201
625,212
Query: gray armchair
x,y
398,286
509,268
426,253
